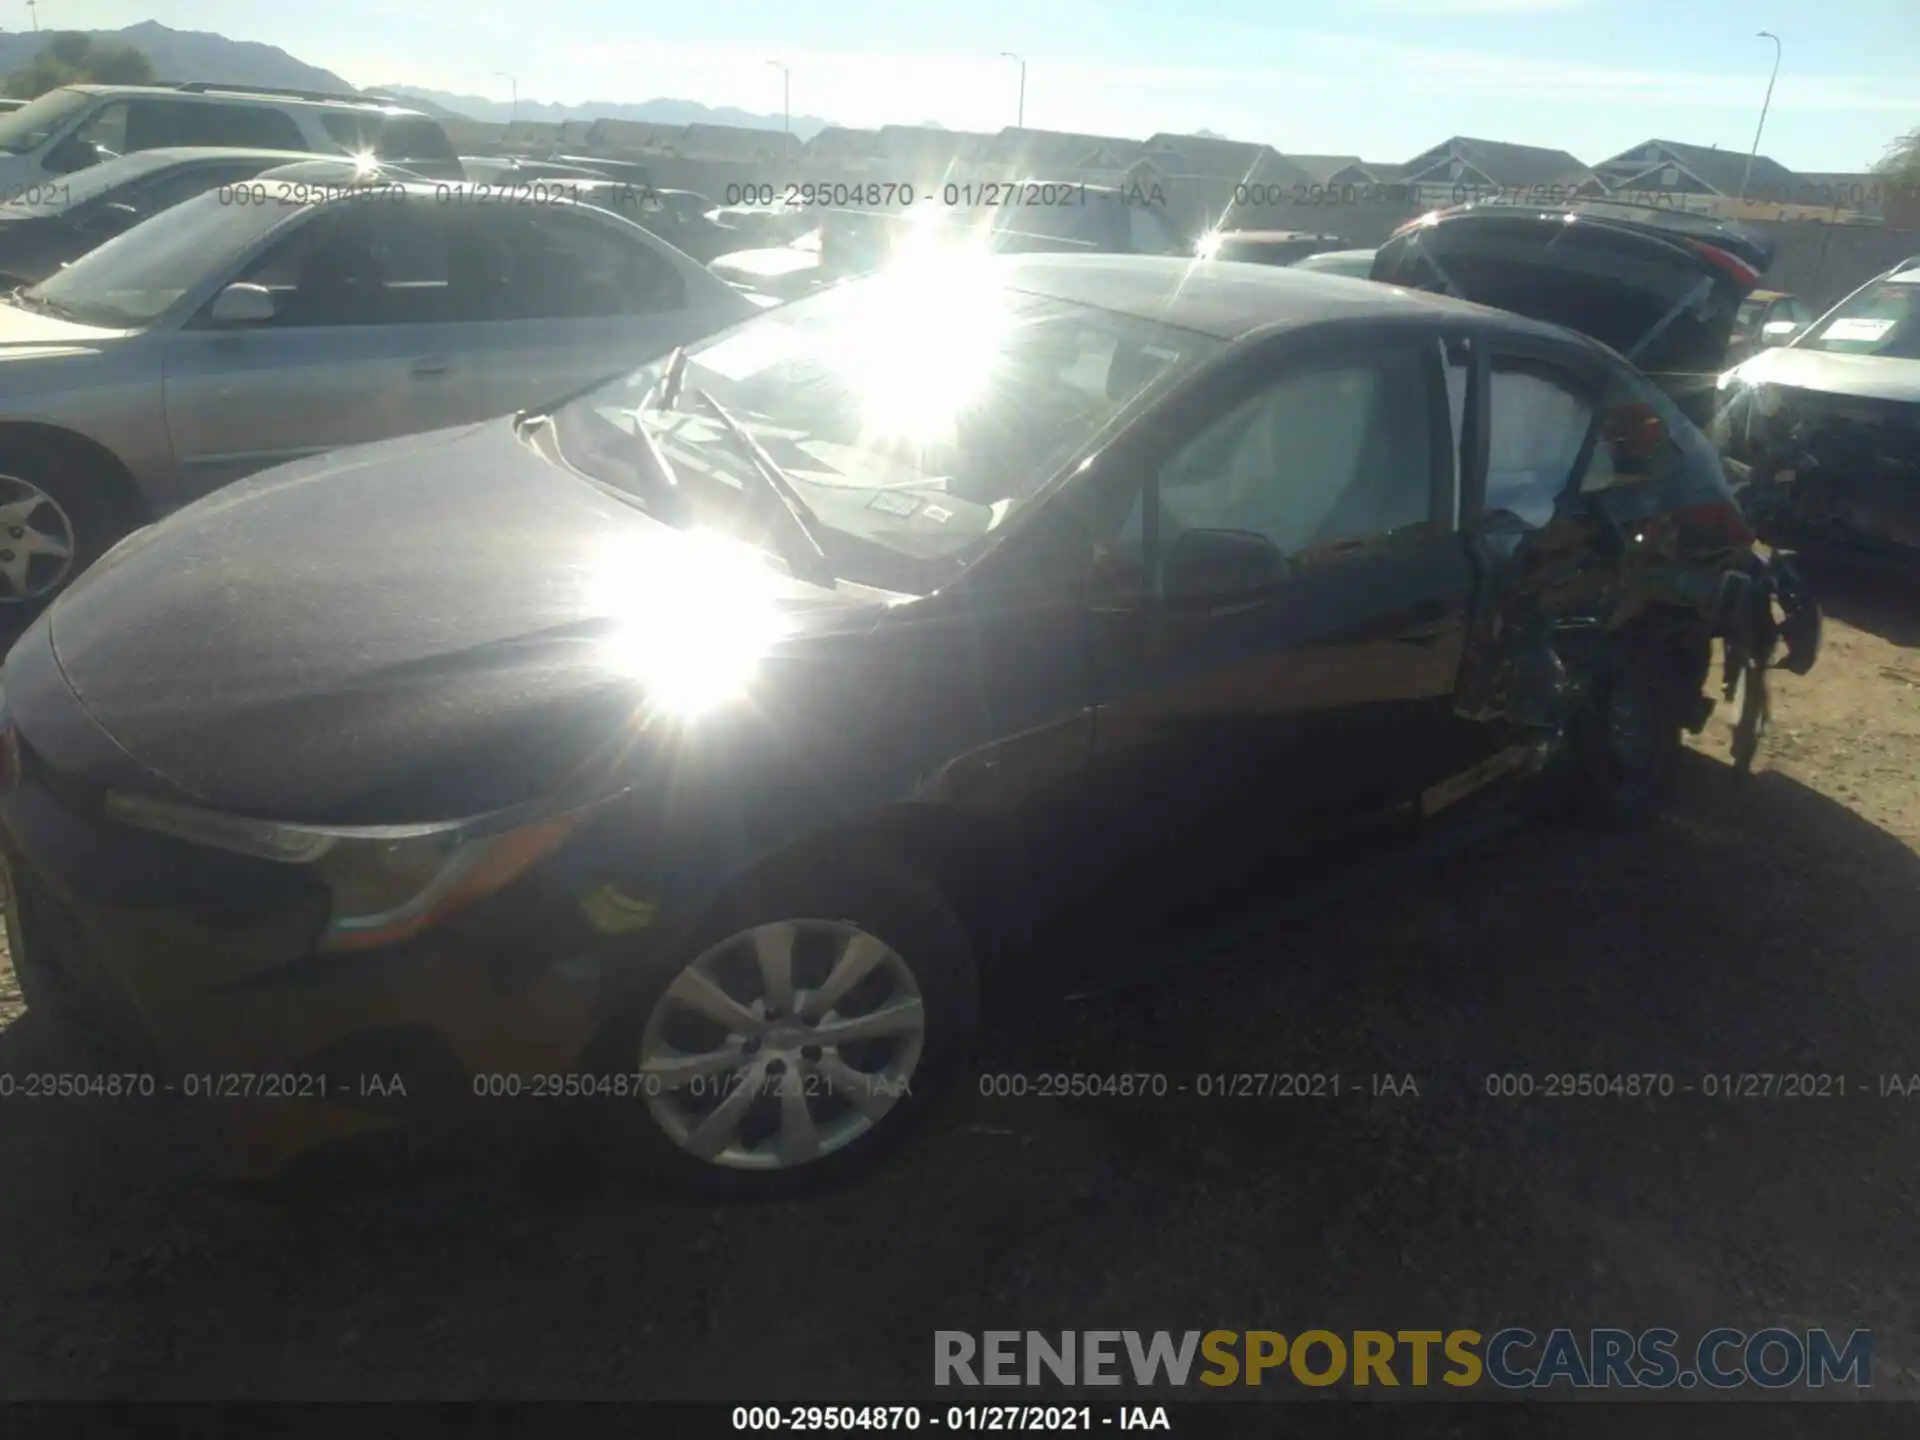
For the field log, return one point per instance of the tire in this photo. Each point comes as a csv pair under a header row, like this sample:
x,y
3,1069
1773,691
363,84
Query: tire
x,y
823,906
1627,744
79,506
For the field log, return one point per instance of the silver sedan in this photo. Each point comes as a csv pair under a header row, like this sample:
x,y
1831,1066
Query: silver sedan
x,y
268,321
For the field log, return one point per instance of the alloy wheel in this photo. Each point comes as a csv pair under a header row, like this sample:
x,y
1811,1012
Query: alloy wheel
x,y
782,1044
36,541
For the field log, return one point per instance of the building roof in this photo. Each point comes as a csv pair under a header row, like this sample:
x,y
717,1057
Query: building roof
x,y
927,144
1719,170
1322,168
636,134
1502,162
1039,151
1230,301
736,142
842,142
1214,159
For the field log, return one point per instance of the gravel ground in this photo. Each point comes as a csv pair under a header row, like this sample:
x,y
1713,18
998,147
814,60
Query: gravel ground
x,y
1764,927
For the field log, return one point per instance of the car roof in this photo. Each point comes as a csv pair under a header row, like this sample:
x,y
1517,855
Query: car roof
x,y
240,94
1230,299
1265,235
184,153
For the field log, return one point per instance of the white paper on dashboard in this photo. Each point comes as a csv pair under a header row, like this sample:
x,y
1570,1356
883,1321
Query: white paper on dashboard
x,y
1857,329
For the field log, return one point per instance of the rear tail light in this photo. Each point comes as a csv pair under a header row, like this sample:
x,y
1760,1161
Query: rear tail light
x,y
1717,522
1727,262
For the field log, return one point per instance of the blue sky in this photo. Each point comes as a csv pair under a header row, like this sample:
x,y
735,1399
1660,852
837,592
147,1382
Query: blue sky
x,y
1380,78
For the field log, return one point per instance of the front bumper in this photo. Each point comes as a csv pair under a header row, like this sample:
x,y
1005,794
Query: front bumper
x,y
209,982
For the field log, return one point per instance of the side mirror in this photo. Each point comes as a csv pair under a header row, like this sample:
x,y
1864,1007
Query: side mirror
x,y
242,305
71,154
1778,332
1210,564
112,219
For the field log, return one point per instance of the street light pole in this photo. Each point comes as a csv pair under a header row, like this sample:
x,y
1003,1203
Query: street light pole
x,y
513,116
1020,115
1748,174
33,10
786,96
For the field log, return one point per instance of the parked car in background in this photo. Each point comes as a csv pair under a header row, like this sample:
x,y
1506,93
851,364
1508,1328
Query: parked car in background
x,y
1766,317
683,221
1266,247
631,171
48,225
218,339
760,226
76,126
1091,219
1660,287
701,741
513,170
1829,425
1355,264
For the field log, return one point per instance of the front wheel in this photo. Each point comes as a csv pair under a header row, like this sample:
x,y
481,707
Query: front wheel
x,y
57,516
810,1028
1627,744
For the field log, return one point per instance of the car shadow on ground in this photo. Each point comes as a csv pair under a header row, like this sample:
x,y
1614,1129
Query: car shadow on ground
x,y
1880,600
1762,930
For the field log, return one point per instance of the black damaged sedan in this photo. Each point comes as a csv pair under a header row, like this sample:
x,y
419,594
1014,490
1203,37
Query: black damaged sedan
x,y
699,756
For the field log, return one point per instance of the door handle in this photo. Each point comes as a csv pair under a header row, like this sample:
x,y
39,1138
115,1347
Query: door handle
x,y
431,369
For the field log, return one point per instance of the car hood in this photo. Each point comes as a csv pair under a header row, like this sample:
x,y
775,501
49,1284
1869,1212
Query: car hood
x,y
1869,376
417,629
770,264
33,335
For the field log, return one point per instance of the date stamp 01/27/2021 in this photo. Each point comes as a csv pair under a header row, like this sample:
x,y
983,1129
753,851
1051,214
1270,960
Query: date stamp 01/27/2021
x,y
831,1081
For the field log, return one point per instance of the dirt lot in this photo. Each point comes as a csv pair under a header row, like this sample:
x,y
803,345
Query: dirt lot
x,y
1764,928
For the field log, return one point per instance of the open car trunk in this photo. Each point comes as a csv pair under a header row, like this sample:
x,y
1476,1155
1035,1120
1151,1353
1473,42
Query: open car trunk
x,y
1661,288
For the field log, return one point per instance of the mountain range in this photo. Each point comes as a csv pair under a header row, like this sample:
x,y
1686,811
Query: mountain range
x,y
202,55
658,112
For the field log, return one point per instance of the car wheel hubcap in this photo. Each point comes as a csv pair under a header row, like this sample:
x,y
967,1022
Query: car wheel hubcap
x,y
36,541
782,1044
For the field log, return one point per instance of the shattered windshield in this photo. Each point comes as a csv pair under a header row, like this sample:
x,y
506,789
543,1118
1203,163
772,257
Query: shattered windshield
x,y
919,436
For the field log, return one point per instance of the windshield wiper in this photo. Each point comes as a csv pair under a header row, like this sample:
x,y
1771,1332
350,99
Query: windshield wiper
x,y
23,295
807,554
666,394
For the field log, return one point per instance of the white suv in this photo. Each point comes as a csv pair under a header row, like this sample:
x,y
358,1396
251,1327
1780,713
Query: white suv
x,y
75,126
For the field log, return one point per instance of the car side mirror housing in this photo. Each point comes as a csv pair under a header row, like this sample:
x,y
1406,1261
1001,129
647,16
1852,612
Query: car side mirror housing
x,y
69,155
243,304
1778,332
113,218
1212,564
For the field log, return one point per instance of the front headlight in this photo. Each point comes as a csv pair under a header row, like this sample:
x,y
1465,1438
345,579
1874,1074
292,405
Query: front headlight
x,y
387,882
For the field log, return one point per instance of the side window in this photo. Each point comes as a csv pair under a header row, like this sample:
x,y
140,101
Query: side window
x,y
1325,457
359,265
163,192
1149,234
410,138
1645,442
1537,425
254,126
1456,359
570,266
353,133
106,128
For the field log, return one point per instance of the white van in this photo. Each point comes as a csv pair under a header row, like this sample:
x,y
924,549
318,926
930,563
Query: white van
x,y
75,126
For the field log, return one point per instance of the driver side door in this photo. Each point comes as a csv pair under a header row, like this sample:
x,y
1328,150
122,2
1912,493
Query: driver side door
x,y
357,349
1281,617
